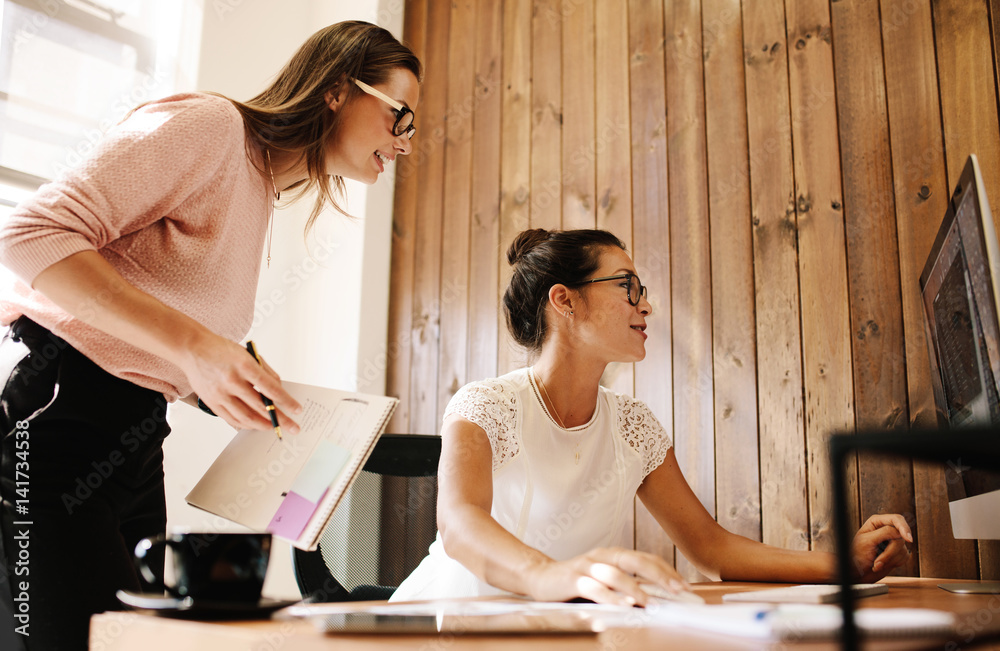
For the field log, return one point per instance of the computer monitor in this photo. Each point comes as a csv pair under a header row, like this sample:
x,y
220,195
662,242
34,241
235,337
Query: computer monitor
x,y
959,286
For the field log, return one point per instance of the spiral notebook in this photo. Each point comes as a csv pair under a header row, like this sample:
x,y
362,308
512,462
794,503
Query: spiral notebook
x,y
290,487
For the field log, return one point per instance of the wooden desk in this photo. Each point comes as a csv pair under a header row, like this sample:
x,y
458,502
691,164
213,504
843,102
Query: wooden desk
x,y
979,628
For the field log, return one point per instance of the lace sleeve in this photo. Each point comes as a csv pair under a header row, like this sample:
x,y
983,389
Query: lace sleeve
x,y
643,432
493,406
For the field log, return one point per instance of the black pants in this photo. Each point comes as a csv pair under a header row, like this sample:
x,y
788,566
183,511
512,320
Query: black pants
x,y
81,482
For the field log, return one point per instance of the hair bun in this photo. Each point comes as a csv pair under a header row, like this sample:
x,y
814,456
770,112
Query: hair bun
x,y
525,242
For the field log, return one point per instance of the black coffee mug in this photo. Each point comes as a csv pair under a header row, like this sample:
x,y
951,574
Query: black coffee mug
x,y
219,567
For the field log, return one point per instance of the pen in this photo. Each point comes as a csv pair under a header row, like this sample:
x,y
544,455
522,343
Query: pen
x,y
271,410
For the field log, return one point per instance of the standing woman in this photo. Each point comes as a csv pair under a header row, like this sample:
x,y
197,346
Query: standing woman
x,y
136,277
564,458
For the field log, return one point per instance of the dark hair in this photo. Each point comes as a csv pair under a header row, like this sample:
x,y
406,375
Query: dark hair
x,y
542,259
291,114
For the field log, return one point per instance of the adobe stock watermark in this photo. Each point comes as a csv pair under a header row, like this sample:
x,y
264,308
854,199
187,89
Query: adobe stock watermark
x,y
115,112
38,22
293,278
130,442
374,368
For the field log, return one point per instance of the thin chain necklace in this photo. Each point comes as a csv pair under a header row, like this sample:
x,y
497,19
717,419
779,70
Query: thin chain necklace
x,y
552,405
552,412
277,196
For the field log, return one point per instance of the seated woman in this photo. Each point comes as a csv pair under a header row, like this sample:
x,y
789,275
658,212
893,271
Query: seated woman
x,y
567,456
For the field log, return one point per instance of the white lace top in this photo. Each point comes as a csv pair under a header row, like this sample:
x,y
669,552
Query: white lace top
x,y
562,491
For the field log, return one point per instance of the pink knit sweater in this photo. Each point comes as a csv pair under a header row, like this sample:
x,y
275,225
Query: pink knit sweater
x,y
169,198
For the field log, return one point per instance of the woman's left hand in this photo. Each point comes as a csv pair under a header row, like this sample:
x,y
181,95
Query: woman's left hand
x,y
871,565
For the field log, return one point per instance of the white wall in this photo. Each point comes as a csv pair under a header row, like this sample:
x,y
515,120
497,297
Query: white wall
x,y
319,320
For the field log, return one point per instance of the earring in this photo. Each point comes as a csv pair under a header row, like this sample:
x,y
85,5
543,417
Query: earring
x,y
569,314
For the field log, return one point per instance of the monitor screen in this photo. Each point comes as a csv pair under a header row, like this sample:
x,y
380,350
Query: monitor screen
x,y
959,288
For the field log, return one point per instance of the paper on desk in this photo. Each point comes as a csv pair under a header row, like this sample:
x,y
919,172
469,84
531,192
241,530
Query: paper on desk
x,y
800,621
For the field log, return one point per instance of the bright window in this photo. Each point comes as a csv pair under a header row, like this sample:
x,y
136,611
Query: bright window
x,y
71,69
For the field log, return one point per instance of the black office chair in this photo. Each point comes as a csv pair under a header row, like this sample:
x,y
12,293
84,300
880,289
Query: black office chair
x,y
381,530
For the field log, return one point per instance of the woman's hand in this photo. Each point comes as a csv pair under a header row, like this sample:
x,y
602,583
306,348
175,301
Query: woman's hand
x,y
606,576
869,563
230,381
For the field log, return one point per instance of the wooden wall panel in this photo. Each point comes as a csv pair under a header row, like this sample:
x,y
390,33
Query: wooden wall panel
x,y
690,257
921,194
651,228
578,115
785,517
454,286
546,115
404,224
872,253
733,332
819,218
969,115
484,265
612,144
429,156
778,171
515,154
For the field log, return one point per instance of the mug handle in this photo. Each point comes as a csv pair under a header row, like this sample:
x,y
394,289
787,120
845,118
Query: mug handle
x,y
142,550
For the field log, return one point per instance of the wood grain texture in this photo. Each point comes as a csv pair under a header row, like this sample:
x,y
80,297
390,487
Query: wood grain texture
x,y
484,245
515,155
428,154
778,171
455,261
690,255
872,254
819,216
546,115
734,356
779,351
403,258
651,229
579,146
612,153
921,194
969,114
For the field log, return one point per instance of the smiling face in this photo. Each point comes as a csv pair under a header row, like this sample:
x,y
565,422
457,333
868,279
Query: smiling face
x,y
364,143
610,324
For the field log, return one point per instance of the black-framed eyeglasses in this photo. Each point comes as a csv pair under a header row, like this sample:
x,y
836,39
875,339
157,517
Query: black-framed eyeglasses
x,y
404,116
636,290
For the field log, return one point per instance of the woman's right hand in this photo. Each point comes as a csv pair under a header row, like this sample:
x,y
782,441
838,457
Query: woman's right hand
x,y
609,575
229,380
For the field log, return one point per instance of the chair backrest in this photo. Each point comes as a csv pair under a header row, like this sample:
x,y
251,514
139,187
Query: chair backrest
x,y
381,530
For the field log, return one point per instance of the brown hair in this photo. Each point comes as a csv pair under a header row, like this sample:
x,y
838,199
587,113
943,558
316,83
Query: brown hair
x,y
542,259
291,114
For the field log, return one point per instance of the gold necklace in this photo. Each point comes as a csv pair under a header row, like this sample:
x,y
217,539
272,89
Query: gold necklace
x,y
277,196
552,405
553,412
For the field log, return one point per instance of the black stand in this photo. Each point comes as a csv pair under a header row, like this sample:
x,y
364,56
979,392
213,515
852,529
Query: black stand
x,y
982,445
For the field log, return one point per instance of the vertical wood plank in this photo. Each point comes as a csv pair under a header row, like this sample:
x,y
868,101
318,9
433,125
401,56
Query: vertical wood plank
x,y
402,270
579,148
691,288
430,204
651,230
826,327
969,113
921,193
612,146
885,485
454,291
515,154
613,153
484,268
785,521
733,333
546,115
